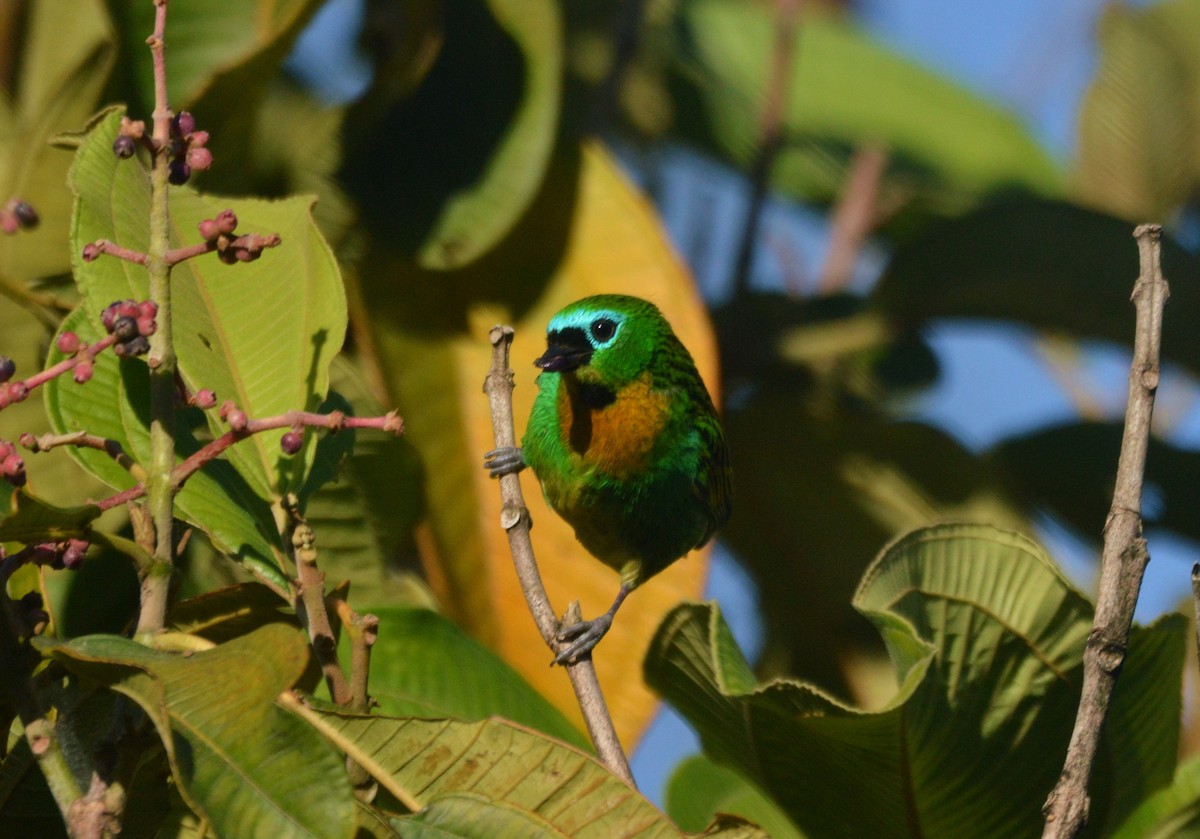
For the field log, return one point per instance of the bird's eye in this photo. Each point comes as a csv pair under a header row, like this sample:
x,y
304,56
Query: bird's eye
x,y
603,330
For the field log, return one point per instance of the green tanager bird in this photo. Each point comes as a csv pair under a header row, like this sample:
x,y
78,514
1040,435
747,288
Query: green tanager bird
x,y
626,443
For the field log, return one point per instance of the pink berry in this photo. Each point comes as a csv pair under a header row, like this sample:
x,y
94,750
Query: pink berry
x,y
209,230
199,158
68,343
28,441
204,399
198,139
227,221
83,372
6,448
91,252
146,326
9,223
13,469
73,553
237,420
17,391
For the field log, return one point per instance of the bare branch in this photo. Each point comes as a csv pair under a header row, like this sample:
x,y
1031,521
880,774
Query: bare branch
x,y
1124,557
514,517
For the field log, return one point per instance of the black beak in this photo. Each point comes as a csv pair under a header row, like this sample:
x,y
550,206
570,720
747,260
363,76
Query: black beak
x,y
559,359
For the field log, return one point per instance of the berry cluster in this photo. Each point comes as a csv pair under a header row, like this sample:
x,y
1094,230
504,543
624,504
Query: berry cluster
x,y
17,215
132,324
12,466
188,145
232,249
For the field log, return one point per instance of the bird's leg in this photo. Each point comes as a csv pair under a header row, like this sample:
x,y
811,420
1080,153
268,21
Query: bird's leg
x,y
587,634
506,460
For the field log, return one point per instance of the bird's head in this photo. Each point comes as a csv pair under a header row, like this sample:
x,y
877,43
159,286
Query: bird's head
x,y
608,339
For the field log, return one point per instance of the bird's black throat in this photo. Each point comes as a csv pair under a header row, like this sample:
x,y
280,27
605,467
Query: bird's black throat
x,y
585,398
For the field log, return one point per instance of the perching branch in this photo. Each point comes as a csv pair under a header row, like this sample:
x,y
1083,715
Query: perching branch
x,y
1124,556
514,518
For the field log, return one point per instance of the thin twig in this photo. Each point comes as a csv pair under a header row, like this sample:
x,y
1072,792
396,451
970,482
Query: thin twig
x,y
84,440
310,603
770,135
362,631
854,217
514,517
1124,556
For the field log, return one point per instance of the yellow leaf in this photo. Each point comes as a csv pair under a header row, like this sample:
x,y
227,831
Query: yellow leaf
x,y
435,353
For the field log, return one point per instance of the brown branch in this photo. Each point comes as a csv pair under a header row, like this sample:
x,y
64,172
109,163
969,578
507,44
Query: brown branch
x,y
854,217
84,440
514,517
1124,557
770,135
362,631
310,603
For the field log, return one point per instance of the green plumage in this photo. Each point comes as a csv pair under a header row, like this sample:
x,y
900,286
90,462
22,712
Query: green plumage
x,y
624,437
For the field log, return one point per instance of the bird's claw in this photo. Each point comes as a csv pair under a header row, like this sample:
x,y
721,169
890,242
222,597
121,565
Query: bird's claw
x,y
506,460
585,635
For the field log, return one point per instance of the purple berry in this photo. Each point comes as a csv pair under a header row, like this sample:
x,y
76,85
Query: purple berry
x,y
179,172
68,343
125,329
291,442
25,214
183,124
124,146
137,345
7,368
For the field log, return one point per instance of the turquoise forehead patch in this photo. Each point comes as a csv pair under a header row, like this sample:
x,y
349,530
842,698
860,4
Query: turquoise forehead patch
x,y
581,319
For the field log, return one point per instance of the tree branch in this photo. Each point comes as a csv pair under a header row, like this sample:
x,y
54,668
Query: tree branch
x,y
514,517
1124,556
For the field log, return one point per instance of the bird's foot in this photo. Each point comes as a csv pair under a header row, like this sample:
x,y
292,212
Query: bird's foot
x,y
506,460
585,635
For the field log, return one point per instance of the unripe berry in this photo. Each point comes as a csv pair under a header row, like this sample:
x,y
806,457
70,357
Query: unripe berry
x,y
146,309
91,252
179,172
124,146
13,469
227,221
73,553
208,230
83,372
6,448
204,399
198,139
125,329
68,343
146,326
9,223
27,440
7,368
237,420
183,124
291,442
199,158
17,391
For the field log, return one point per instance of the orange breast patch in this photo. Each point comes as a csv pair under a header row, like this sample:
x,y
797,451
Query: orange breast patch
x,y
618,437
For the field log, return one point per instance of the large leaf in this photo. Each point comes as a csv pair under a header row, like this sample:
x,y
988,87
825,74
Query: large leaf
x,y
494,778
424,665
1171,812
1046,264
467,152
699,789
261,333
987,639
434,354
114,404
1137,126
845,90
33,520
64,62
250,767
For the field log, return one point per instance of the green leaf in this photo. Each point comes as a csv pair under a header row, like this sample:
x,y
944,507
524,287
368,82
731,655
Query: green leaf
x,y
250,767
495,773
114,405
1033,262
699,789
62,69
261,334
1171,812
847,90
1137,155
33,520
986,637
455,181
424,665
230,612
